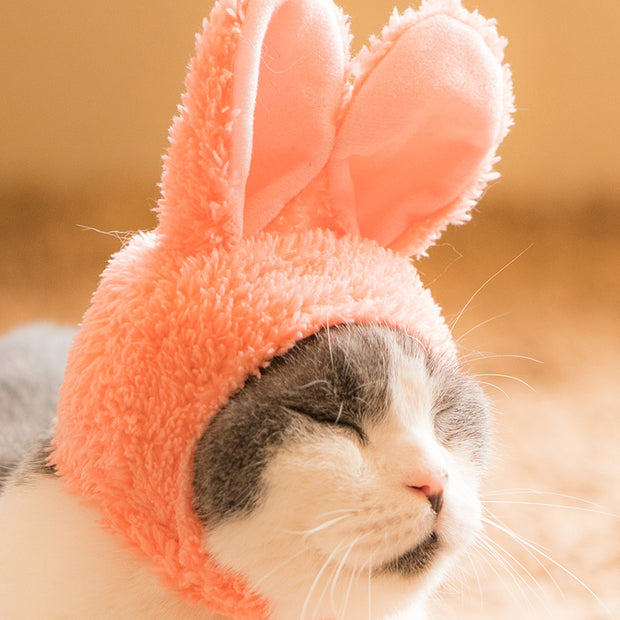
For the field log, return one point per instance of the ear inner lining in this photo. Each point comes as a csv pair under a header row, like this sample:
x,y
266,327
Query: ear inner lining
x,y
288,95
418,129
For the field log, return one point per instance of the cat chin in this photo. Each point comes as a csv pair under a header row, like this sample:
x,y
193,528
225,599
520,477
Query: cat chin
x,y
304,572
300,591
300,588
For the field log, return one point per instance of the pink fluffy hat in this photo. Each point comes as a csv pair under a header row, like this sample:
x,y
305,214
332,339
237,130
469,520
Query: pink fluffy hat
x,y
297,182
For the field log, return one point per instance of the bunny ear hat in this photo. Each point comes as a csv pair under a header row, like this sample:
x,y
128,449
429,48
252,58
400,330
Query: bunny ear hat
x,y
297,183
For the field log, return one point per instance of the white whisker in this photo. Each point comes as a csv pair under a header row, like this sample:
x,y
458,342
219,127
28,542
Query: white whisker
x,y
318,528
480,288
316,580
523,542
479,356
524,490
525,383
348,593
317,382
532,554
339,570
479,325
475,571
502,560
510,556
493,554
339,413
277,568
577,508
340,511
496,387
369,588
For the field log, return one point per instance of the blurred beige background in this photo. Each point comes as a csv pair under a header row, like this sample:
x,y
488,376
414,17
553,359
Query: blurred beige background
x,y
88,91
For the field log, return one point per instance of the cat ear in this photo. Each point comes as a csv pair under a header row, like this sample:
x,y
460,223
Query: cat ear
x,y
416,147
258,119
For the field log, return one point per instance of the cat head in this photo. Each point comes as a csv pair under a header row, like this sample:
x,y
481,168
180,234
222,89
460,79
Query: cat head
x,y
297,183
343,482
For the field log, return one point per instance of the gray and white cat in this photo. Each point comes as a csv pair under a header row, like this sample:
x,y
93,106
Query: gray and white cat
x,y
342,483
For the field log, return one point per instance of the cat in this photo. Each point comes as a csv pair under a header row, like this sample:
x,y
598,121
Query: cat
x,y
341,483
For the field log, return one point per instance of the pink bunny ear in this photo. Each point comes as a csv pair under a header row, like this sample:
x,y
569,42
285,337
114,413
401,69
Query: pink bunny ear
x,y
258,119
289,96
417,144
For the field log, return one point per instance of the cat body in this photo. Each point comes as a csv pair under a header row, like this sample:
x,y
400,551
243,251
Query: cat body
x,y
318,481
32,365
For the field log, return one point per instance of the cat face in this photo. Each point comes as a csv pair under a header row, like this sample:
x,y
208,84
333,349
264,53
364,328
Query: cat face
x,y
343,480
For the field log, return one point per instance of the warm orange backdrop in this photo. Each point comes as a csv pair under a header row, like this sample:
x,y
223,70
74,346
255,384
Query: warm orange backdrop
x,y
88,89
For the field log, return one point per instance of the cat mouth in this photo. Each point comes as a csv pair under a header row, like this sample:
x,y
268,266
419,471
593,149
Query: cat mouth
x,y
414,560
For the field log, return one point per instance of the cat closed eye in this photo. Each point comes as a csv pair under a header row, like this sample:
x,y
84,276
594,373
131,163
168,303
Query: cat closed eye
x,y
329,419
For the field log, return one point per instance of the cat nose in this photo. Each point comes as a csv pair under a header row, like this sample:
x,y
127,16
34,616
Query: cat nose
x,y
433,485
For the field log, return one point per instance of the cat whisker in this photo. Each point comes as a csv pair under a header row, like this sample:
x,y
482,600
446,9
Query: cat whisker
x,y
448,267
339,570
329,345
524,491
304,609
335,575
354,574
531,542
490,556
525,544
500,555
370,587
496,387
547,505
339,413
510,556
476,356
476,575
277,568
334,578
319,528
339,511
311,383
481,324
484,285
417,341
361,400
525,383
534,556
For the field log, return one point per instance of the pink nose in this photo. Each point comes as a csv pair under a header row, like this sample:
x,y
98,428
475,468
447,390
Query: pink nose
x,y
432,484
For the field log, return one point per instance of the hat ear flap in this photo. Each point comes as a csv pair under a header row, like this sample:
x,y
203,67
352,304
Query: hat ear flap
x,y
417,144
289,96
258,119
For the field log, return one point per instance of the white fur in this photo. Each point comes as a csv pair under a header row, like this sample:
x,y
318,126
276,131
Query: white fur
x,y
335,509
56,562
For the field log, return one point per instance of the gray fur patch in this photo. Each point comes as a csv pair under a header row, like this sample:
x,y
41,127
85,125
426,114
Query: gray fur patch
x,y
462,414
34,464
32,364
415,560
461,410
337,377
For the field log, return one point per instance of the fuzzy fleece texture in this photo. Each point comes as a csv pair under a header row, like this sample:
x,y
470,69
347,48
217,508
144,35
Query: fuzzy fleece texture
x,y
296,183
